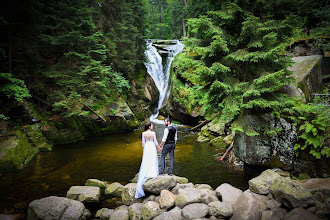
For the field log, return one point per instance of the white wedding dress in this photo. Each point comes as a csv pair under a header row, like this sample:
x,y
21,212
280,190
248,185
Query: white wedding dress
x,y
149,164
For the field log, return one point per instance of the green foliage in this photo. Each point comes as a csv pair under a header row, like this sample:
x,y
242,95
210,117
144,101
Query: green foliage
x,y
12,87
313,126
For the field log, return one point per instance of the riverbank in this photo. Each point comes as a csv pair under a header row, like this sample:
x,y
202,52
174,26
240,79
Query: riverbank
x,y
270,196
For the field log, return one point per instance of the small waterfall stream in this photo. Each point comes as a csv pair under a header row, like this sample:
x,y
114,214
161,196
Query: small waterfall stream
x,y
159,73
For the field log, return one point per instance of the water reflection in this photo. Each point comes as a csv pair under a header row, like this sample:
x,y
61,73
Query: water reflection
x,y
114,158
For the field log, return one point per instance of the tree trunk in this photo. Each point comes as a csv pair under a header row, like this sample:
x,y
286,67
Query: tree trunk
x,y
160,21
183,22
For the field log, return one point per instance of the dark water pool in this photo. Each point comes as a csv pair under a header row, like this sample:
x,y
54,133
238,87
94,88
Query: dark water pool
x,y
114,158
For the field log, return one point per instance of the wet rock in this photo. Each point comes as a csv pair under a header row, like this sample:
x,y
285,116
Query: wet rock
x,y
221,209
187,196
6,217
150,210
247,207
104,213
262,183
218,142
95,182
195,211
128,194
54,207
134,211
178,186
301,214
174,214
208,196
291,194
114,189
167,199
85,194
203,186
119,215
157,184
228,193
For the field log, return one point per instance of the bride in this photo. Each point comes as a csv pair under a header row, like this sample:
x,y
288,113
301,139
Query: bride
x,y
149,164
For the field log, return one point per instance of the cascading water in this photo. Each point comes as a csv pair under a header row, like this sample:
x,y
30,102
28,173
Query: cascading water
x,y
159,73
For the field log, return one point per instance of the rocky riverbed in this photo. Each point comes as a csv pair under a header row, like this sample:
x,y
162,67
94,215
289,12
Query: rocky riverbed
x,y
270,196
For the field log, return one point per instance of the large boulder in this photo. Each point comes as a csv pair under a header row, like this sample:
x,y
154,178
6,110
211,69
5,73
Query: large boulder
x,y
95,182
167,199
301,214
265,150
315,185
85,194
174,214
104,213
220,209
195,211
247,207
307,71
121,214
291,194
54,207
157,184
208,196
134,211
150,210
187,196
180,179
114,189
228,193
262,183
128,194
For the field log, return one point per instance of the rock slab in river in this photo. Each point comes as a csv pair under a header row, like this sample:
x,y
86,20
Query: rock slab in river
x,y
54,207
228,193
157,184
291,194
85,194
262,183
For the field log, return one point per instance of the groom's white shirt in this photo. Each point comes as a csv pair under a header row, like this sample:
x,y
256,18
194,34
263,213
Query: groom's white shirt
x,y
166,134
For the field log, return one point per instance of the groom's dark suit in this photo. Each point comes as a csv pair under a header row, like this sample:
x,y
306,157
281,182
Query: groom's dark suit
x,y
169,138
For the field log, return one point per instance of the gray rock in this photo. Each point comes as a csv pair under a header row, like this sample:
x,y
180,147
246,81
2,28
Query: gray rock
x,y
208,196
266,150
6,217
174,214
85,194
182,180
157,184
228,193
187,196
291,194
119,215
104,213
262,183
54,207
203,186
149,198
122,207
301,214
96,182
195,211
267,215
247,207
128,194
262,199
150,210
114,189
178,186
315,185
272,204
134,211
221,209
167,199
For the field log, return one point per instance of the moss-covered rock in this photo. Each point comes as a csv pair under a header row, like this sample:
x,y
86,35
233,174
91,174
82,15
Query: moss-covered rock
x,y
36,138
96,182
218,142
114,189
205,135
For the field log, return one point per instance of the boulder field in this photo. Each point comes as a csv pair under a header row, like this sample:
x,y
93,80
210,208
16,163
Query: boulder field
x,y
270,196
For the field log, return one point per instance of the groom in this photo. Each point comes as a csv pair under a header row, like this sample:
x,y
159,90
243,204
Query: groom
x,y
168,141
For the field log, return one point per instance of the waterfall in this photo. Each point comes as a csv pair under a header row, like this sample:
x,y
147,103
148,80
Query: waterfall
x,y
159,73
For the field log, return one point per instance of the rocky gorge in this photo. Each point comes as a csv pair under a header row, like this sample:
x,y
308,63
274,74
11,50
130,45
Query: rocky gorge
x,y
270,196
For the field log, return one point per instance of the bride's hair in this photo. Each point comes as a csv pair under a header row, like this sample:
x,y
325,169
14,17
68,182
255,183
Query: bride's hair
x,y
147,125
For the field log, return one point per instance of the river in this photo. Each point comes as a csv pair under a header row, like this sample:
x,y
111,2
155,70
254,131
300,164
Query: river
x,y
113,158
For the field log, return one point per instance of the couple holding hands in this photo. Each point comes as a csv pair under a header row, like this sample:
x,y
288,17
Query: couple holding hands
x,y
149,165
